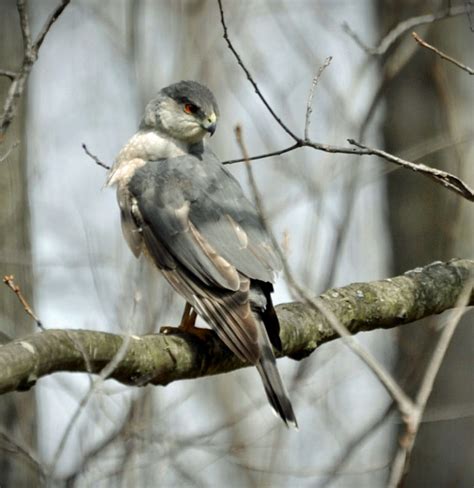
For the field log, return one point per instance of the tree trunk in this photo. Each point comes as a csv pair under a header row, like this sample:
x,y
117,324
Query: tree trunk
x,y
17,410
430,101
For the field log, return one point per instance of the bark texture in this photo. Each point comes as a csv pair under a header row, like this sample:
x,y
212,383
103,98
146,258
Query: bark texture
x,y
160,359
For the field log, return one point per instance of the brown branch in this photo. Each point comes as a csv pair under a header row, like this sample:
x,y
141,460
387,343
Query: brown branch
x,y
441,54
9,281
448,180
30,55
161,359
250,78
95,158
267,155
403,27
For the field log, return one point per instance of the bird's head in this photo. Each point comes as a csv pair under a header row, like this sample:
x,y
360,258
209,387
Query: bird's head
x,y
186,111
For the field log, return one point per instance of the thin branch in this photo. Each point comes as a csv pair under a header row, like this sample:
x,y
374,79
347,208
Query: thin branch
x,y
105,373
403,27
25,26
249,76
9,281
30,55
441,54
448,180
95,158
49,23
266,155
404,403
250,176
309,105
413,421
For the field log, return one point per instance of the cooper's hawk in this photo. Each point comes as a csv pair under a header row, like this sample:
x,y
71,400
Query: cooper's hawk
x,y
188,214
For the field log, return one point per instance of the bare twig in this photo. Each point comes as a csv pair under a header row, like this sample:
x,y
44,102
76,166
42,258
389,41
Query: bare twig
x,y
448,180
103,375
95,158
249,77
441,54
403,27
30,55
404,403
309,105
49,23
411,411
9,281
251,178
266,155
25,27
413,421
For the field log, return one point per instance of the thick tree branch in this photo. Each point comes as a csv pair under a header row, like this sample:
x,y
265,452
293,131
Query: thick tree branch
x,y
160,359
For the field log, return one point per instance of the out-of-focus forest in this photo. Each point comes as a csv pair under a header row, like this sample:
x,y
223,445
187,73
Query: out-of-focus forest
x,y
340,218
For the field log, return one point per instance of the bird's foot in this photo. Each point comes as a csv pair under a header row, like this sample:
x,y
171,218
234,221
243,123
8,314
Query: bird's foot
x,y
198,332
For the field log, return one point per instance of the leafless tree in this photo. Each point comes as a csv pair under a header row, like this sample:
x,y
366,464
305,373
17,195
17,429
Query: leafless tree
x,y
396,133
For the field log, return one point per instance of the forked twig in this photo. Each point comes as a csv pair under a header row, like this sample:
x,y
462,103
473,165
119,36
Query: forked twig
x,y
30,55
448,180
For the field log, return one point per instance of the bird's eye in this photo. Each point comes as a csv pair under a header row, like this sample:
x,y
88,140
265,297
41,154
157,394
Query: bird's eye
x,y
190,108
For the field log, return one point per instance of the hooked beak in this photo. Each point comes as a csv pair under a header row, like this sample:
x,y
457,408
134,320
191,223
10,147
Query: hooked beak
x,y
210,124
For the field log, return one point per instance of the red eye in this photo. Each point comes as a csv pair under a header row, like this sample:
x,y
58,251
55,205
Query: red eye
x,y
189,108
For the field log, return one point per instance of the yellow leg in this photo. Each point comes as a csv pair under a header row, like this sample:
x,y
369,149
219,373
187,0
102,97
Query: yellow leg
x,y
187,325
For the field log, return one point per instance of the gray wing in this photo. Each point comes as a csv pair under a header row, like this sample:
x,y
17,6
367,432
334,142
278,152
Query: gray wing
x,y
198,212
208,241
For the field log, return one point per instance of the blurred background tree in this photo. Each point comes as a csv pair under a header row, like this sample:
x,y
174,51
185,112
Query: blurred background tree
x,y
429,109
17,410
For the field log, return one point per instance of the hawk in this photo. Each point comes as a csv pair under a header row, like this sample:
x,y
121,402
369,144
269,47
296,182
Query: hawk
x,y
182,209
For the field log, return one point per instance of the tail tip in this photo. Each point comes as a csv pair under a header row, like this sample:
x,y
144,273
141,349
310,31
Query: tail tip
x,y
289,420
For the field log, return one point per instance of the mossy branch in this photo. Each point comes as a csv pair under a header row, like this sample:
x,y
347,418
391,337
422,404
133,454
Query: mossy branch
x,y
160,359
